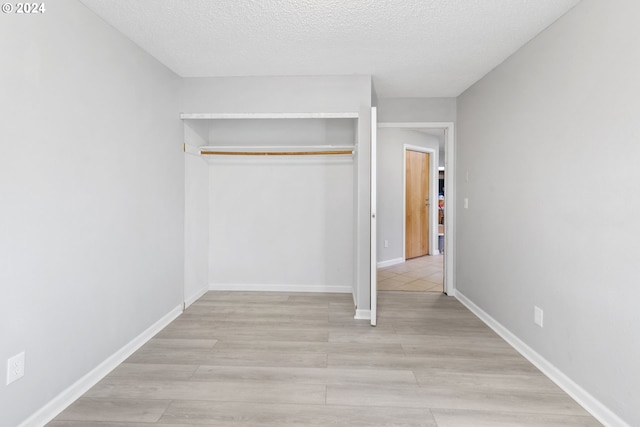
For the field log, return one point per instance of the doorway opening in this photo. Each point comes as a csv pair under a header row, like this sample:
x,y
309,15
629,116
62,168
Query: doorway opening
x,y
434,271
421,268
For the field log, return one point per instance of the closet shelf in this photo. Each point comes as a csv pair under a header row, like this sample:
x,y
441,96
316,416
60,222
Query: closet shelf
x,y
348,115
316,150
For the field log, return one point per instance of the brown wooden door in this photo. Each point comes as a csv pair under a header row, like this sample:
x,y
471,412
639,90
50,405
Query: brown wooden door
x,y
417,204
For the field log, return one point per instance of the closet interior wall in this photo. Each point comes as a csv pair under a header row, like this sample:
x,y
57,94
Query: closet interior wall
x,y
274,223
196,225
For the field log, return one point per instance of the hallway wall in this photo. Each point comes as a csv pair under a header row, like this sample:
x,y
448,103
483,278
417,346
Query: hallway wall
x,y
390,211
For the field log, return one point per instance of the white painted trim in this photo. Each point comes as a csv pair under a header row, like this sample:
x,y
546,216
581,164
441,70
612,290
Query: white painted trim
x,y
580,395
266,287
195,297
357,247
345,115
449,210
80,387
419,125
390,262
433,191
373,230
362,315
271,148
191,149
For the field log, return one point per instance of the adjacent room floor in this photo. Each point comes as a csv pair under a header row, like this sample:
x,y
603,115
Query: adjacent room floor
x,y
290,359
417,274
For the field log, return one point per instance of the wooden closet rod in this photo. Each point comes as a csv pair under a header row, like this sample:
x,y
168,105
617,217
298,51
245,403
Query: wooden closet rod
x,y
275,153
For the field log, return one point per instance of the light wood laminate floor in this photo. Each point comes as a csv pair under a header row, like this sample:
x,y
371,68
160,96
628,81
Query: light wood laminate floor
x,y
290,359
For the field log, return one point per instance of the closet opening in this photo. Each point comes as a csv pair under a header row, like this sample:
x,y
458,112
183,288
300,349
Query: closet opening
x,y
271,202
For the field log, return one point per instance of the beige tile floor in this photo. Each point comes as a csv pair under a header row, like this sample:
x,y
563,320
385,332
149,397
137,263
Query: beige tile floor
x,y
290,359
417,274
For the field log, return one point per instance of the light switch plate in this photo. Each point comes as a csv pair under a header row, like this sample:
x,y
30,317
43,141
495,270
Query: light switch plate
x,y
538,316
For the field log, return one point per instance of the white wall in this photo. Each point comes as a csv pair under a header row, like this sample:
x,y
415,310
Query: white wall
x,y
281,132
92,190
302,94
196,228
550,142
298,237
196,211
281,224
390,206
417,110
287,94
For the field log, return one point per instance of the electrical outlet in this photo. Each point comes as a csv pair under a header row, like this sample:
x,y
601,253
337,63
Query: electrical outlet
x,y
386,243
538,316
15,368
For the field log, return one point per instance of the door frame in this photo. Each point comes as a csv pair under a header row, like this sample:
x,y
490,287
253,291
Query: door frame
x,y
449,191
373,260
433,225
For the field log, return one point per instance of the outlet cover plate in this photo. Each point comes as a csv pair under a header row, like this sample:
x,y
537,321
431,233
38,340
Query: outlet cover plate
x,y
15,368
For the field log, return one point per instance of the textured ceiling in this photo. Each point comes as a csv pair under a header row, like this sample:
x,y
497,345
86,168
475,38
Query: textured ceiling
x,y
412,48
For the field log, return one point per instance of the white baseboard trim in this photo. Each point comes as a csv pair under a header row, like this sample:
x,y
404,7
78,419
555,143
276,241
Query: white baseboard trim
x,y
257,287
580,395
362,315
80,387
195,297
390,262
